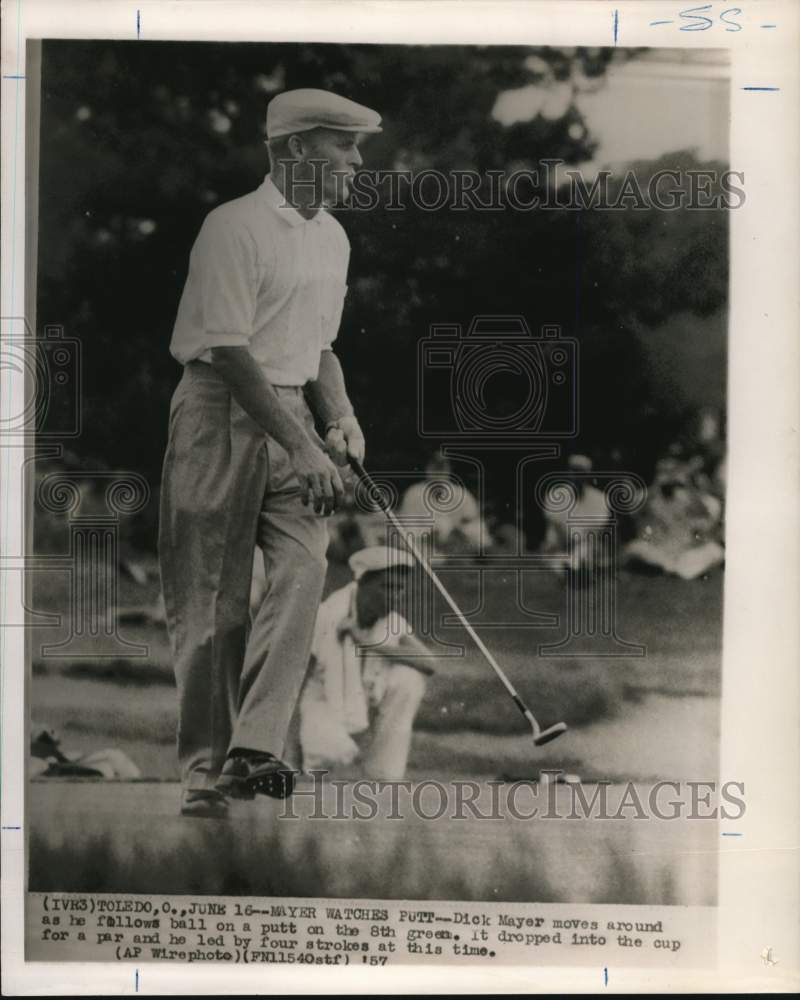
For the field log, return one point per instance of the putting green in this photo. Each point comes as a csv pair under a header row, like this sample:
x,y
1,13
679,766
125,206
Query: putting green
x,y
129,837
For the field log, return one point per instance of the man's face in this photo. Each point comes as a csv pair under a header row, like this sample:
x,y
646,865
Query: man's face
x,y
381,592
340,158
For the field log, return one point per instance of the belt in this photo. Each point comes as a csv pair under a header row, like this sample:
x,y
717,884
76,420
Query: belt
x,y
205,370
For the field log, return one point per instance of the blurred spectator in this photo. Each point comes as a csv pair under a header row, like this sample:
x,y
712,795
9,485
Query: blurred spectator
x,y
456,526
680,528
589,502
48,760
708,441
701,452
505,537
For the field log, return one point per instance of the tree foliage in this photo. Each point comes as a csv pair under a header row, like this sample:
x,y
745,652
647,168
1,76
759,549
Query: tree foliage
x,y
141,140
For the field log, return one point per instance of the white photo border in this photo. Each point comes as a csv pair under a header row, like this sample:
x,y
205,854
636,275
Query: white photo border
x,y
759,888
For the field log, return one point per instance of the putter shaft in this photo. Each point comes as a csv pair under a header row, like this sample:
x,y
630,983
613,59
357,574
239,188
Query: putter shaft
x,y
408,541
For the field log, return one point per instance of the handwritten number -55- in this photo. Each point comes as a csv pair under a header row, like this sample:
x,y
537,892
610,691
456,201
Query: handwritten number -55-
x,y
700,22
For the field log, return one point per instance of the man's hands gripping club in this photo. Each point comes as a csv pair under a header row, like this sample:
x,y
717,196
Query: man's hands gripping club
x,y
344,440
320,481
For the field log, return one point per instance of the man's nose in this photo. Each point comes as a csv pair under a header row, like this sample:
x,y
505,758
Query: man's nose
x,y
354,159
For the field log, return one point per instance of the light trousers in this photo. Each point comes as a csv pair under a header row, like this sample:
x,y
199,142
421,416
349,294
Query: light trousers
x,y
394,692
227,487
386,755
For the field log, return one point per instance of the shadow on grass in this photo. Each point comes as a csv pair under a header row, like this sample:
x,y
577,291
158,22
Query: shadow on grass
x,y
411,866
134,673
578,691
261,854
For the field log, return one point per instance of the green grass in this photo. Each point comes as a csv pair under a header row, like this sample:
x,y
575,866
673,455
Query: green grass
x,y
107,834
653,717
131,703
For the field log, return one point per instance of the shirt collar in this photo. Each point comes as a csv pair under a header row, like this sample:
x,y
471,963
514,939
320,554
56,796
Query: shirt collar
x,y
290,215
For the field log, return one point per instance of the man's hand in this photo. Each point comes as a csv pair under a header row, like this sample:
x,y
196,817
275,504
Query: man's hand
x,y
320,482
344,439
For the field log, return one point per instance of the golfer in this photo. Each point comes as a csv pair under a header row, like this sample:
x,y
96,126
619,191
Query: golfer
x,y
367,674
244,464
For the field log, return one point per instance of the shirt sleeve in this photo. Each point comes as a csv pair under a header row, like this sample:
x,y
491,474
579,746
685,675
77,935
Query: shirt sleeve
x,y
337,290
333,320
223,266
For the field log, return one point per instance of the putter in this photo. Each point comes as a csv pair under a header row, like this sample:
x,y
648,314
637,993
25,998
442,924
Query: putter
x,y
540,736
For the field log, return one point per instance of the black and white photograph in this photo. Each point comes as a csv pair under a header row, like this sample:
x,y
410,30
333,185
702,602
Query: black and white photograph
x,y
376,449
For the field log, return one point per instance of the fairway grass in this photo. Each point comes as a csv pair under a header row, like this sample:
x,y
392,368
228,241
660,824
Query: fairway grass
x,y
627,717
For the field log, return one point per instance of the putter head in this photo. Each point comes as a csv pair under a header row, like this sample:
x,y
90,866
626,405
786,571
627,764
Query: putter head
x,y
545,735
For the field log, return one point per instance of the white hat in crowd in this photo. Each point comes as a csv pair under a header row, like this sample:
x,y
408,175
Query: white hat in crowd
x,y
580,463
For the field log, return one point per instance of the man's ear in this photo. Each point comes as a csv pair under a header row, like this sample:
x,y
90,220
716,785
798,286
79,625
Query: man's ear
x,y
296,147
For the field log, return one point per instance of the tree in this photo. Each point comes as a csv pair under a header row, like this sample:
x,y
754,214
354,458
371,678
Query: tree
x,y
140,140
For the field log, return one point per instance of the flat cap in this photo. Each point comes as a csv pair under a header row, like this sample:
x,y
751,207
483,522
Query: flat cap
x,y
301,110
377,558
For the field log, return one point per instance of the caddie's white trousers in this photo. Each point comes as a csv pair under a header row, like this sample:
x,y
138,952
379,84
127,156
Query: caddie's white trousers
x,y
394,691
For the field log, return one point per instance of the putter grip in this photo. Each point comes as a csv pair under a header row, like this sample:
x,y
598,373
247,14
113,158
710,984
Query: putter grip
x,y
357,467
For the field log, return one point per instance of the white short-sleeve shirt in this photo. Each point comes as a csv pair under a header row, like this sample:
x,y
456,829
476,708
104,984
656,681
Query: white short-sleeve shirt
x,y
262,276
